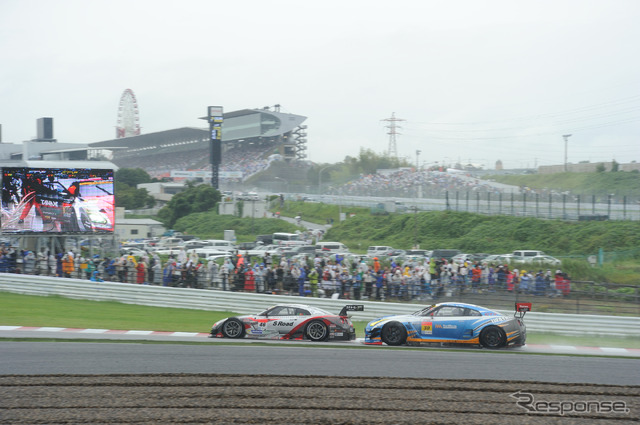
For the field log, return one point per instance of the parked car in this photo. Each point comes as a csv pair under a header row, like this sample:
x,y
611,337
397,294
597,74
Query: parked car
x,y
447,254
378,251
261,250
543,260
480,256
453,323
396,252
195,243
522,254
418,252
208,251
498,259
220,244
289,321
461,258
243,246
308,250
330,248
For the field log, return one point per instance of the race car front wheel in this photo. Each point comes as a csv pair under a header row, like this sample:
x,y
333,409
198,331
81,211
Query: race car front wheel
x,y
393,333
493,337
233,328
317,331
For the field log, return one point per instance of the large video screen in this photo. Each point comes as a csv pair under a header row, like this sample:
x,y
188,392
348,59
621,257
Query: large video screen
x,y
57,200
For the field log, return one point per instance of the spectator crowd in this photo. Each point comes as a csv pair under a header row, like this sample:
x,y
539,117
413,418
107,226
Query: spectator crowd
x,y
333,276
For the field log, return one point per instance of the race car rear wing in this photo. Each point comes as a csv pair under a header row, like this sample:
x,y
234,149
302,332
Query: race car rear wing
x,y
350,307
521,309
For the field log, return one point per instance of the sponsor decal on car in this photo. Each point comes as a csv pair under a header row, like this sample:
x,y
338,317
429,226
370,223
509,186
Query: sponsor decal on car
x,y
446,326
427,328
282,323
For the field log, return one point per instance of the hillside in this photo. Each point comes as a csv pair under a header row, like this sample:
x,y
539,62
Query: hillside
x,y
491,234
619,183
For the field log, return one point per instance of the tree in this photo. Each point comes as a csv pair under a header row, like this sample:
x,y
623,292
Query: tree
x,y
131,198
615,166
193,199
600,168
126,193
132,176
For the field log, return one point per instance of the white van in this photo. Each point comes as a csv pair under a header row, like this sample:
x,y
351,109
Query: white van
x,y
330,248
219,244
166,243
378,251
523,254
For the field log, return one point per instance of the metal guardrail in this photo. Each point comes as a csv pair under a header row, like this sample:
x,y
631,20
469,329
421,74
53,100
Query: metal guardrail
x,y
247,303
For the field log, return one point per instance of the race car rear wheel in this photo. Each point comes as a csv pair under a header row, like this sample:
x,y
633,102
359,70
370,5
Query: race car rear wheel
x,y
317,331
233,328
492,337
393,333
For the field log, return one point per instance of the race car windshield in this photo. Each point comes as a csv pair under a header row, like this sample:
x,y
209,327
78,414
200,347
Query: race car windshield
x,y
424,312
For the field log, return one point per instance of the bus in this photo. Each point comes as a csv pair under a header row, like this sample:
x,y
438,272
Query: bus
x,y
278,238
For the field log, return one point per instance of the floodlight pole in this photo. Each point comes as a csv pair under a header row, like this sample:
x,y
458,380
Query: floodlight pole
x,y
566,138
215,119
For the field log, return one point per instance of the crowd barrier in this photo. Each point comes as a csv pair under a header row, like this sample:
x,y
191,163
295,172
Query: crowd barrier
x,y
247,303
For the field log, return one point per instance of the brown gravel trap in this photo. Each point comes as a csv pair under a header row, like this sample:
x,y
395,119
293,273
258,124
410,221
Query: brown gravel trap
x,y
256,399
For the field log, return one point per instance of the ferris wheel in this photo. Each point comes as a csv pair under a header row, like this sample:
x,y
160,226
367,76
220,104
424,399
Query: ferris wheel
x,y
128,116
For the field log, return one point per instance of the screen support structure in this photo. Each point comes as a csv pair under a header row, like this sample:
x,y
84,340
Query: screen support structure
x,y
215,118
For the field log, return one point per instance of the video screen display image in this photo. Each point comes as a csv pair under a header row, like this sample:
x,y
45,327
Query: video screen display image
x,y
57,200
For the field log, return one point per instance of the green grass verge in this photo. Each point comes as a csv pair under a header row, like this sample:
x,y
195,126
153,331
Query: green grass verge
x,y
29,310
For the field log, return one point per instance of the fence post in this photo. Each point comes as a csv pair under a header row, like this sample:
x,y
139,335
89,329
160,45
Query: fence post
x,y
512,208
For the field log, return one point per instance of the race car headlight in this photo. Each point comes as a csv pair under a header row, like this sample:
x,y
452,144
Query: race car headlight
x,y
372,332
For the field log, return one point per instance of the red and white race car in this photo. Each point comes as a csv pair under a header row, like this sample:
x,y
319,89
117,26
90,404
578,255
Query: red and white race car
x,y
289,321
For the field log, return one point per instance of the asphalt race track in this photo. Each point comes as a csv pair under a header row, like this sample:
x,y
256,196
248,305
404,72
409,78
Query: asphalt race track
x,y
71,382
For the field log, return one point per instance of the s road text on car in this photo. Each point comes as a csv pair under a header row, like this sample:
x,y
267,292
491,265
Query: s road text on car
x,y
289,321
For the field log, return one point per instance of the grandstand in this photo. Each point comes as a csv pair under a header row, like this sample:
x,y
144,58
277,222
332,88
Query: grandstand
x,y
251,139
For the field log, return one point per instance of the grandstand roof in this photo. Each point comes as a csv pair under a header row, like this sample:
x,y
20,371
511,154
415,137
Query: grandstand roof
x,y
154,139
102,165
238,125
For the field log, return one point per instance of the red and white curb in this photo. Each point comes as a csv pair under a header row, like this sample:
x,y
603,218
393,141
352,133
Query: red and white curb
x,y
100,331
542,348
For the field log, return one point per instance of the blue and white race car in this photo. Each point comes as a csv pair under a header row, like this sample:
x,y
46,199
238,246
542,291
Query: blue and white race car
x,y
451,323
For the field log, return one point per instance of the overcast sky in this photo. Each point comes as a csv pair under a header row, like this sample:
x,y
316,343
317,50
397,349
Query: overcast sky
x,y
474,80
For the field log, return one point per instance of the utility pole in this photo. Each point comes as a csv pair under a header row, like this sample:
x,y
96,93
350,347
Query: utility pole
x,y
566,138
393,150
418,152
